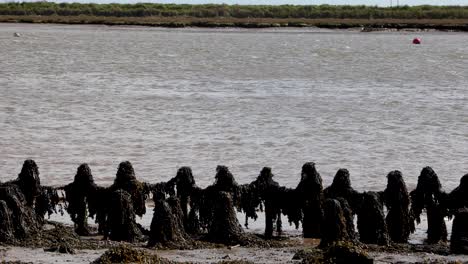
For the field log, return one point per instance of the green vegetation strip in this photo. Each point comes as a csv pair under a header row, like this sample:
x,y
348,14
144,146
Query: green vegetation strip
x,y
172,15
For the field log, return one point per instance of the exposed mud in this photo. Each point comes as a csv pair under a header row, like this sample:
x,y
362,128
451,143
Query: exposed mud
x,y
203,223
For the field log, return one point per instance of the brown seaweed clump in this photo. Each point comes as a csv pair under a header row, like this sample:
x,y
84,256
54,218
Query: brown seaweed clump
x,y
126,180
121,224
126,254
349,218
24,203
225,227
334,224
28,181
17,218
98,207
459,238
119,204
204,199
396,197
458,198
267,191
458,204
429,195
341,252
77,195
371,220
341,187
167,223
186,186
310,191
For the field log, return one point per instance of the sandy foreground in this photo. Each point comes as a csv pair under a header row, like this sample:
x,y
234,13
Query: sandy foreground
x,y
213,255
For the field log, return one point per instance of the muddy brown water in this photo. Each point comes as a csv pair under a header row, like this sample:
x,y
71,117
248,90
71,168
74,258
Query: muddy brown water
x,y
165,98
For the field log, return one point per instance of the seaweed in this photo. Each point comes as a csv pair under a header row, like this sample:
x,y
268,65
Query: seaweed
x,y
17,217
399,221
185,184
310,192
98,202
349,218
334,224
371,220
167,223
204,198
263,193
459,238
121,224
126,180
126,254
429,195
77,195
341,187
225,227
458,198
28,181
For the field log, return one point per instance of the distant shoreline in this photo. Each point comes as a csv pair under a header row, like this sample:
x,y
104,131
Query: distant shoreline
x,y
366,25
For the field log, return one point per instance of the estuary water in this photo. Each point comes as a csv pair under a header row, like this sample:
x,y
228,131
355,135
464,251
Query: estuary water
x,y
165,98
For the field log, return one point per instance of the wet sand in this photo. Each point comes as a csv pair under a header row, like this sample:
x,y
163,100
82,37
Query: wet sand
x,y
284,253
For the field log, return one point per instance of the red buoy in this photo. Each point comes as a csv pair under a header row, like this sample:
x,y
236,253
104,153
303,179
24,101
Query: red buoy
x,y
416,41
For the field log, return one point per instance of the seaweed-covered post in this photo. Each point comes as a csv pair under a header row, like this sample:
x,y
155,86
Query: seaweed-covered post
x,y
458,205
371,220
334,227
121,224
429,195
225,227
186,186
98,202
17,218
396,197
458,198
216,206
341,187
28,181
310,191
77,194
43,199
267,189
127,199
126,180
167,224
459,238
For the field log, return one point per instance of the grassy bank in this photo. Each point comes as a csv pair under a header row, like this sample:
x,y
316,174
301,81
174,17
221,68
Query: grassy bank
x,y
174,22
170,15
